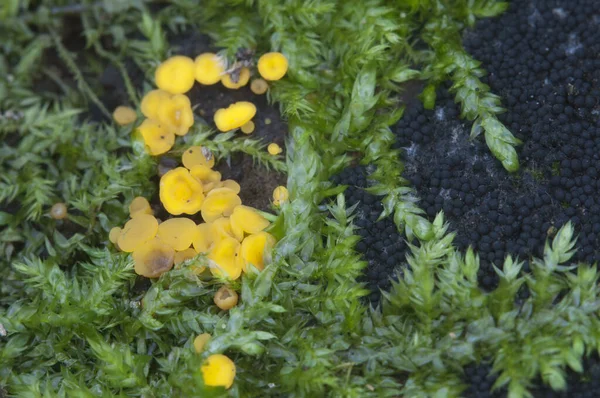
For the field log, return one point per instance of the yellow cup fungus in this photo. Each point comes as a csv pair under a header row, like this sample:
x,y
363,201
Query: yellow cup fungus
x,y
208,68
137,231
139,205
254,248
152,102
178,232
231,184
243,78
272,66
176,113
176,75
205,174
204,238
248,128
274,149
219,202
58,211
218,371
224,255
200,341
222,229
280,195
153,258
158,138
259,86
225,298
180,192
124,115
248,219
235,116
188,254
113,235
197,155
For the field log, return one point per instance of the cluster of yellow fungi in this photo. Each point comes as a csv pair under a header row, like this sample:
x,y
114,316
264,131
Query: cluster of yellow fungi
x,y
168,111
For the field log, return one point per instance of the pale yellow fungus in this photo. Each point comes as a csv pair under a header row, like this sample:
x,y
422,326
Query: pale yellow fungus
x,y
272,66
153,258
152,102
178,232
218,371
124,115
259,86
248,128
208,68
58,211
180,192
176,113
137,231
200,341
256,249
235,116
158,138
243,78
274,149
197,155
176,75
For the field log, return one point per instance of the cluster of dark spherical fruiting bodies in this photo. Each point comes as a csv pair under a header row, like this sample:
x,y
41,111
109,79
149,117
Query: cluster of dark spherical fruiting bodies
x,y
382,246
542,59
480,379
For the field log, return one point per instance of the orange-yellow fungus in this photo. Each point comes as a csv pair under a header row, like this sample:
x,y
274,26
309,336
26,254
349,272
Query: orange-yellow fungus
x,y
178,232
208,68
197,155
139,205
137,231
224,255
256,250
235,116
219,202
243,78
204,238
113,235
280,195
176,75
248,219
222,229
153,258
274,149
259,86
158,138
58,211
225,298
231,184
248,128
124,115
176,113
218,371
200,341
152,102
180,192
272,66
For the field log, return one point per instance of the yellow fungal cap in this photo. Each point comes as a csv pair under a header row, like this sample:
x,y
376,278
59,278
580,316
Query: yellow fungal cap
x,y
139,205
243,79
176,113
180,192
256,250
178,232
208,68
222,229
231,184
113,235
280,195
219,202
224,255
158,138
152,102
137,231
248,219
58,211
204,238
124,115
272,66
274,149
248,128
185,255
197,155
259,86
225,298
200,341
176,75
153,258
218,371
235,116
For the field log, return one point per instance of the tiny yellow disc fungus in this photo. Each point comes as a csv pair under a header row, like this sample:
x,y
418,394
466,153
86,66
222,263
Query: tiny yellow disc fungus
x,y
248,128
200,341
209,68
204,238
178,232
176,113
188,254
219,202
225,298
274,149
58,211
176,75
222,229
180,192
139,205
197,155
272,66
152,102
259,86
205,174
254,248
235,116
280,195
268,121
248,219
137,231
124,115
231,184
243,79
218,371
153,258
113,235
157,137
224,255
